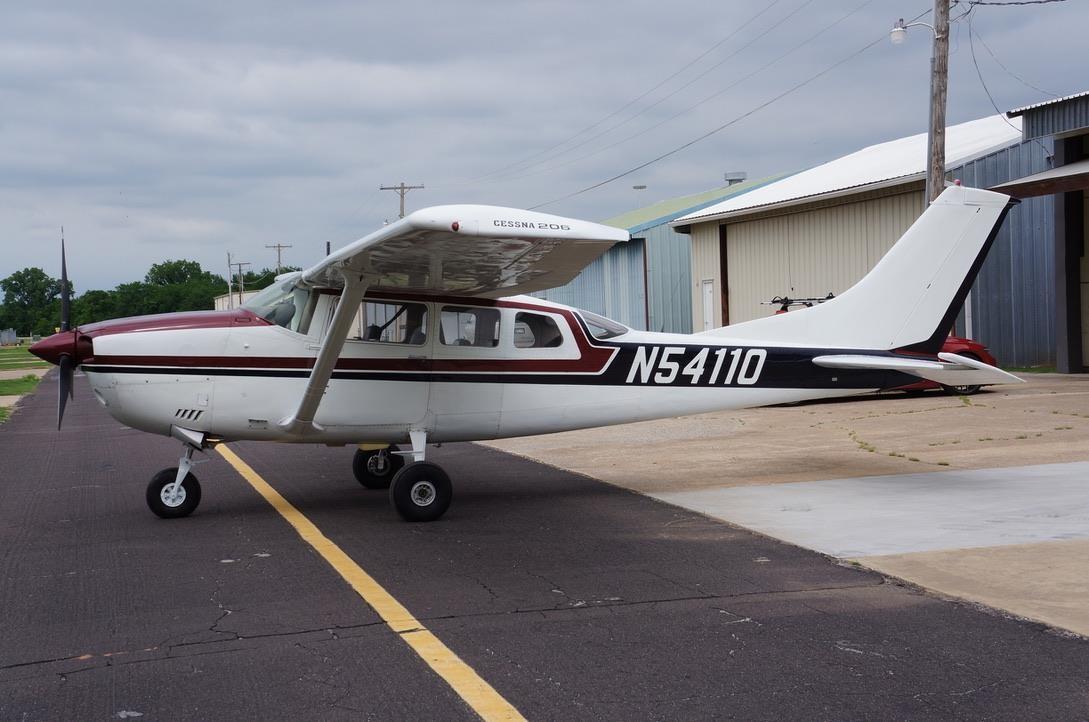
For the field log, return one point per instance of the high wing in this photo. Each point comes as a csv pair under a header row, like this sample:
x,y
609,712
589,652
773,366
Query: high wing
x,y
469,250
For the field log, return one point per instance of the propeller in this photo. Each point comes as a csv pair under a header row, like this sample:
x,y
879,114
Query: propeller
x,y
66,363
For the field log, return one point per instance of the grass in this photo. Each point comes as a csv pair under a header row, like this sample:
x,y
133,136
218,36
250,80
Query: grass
x,y
19,357
1029,369
5,412
17,387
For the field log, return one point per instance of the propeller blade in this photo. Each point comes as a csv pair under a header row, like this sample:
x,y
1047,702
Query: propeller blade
x,y
66,300
67,371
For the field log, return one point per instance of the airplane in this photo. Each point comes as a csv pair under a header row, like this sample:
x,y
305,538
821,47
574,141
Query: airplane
x,y
423,333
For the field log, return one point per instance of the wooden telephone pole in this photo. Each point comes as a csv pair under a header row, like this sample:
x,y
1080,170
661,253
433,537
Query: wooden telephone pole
x,y
279,247
939,87
401,189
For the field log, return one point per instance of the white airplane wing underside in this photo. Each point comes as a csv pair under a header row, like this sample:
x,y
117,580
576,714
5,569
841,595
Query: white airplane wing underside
x,y
467,250
470,250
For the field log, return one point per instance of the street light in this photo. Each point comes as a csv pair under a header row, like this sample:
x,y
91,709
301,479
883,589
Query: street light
x,y
899,31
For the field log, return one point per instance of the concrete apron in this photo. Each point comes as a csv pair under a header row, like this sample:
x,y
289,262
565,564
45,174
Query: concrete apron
x,y
1014,538
905,485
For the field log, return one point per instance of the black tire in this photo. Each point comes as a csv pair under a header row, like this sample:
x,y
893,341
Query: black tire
x,y
189,494
374,469
967,389
421,491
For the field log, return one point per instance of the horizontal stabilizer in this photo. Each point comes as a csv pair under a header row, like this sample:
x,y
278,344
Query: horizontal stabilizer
x,y
950,370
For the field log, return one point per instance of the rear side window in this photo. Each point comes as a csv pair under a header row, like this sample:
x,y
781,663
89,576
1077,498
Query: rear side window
x,y
534,330
394,322
601,327
469,326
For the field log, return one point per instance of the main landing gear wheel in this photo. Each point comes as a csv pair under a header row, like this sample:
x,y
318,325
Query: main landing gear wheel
x,y
375,469
421,491
165,502
967,389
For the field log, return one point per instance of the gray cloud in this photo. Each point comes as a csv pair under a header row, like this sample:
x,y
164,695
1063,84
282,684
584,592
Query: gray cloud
x,y
157,131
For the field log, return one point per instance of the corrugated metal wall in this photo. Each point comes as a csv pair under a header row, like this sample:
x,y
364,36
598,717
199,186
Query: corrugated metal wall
x,y
1061,117
811,253
612,286
669,270
1013,299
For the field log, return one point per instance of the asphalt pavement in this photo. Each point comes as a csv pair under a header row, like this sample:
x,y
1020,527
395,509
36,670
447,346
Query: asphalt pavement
x,y
574,599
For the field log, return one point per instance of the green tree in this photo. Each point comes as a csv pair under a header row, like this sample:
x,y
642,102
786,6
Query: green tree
x,y
30,305
94,306
170,272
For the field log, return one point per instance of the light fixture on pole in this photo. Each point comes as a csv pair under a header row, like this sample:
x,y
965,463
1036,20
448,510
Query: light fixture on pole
x,y
899,31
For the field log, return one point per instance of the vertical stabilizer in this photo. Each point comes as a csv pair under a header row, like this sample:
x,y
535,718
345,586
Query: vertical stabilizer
x,y
910,299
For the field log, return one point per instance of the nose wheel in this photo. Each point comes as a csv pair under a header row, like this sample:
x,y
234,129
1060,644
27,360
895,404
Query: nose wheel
x,y
175,492
171,500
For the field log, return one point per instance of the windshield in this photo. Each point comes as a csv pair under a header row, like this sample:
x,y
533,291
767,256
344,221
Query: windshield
x,y
601,327
284,304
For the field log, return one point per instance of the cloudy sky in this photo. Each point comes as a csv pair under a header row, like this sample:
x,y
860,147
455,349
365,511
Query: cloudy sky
x,y
154,131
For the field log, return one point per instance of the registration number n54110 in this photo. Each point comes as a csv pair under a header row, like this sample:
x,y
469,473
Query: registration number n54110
x,y
710,366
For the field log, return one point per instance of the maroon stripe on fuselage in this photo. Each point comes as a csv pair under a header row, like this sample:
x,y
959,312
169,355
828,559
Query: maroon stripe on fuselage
x,y
593,364
592,359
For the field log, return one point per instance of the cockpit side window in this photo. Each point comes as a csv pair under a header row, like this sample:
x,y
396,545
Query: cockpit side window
x,y
393,322
535,330
286,305
469,326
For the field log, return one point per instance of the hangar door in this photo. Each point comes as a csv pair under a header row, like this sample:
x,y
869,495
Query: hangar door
x,y
810,253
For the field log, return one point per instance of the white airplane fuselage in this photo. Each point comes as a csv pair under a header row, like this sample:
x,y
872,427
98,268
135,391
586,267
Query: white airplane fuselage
x,y
233,375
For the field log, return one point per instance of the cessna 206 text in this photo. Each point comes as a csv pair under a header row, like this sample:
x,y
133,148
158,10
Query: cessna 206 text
x,y
417,334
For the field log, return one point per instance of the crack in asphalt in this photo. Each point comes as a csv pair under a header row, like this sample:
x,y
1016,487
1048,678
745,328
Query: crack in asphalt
x,y
191,649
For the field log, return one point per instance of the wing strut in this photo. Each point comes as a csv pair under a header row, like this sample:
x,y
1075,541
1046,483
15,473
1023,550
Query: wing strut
x,y
302,421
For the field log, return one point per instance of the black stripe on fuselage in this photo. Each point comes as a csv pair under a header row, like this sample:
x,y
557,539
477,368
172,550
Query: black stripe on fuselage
x,y
652,366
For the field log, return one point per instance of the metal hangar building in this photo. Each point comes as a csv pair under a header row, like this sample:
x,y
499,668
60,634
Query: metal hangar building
x,y
823,229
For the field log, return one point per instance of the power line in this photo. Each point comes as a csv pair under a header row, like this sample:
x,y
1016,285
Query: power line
x,y
720,128
688,84
632,102
1014,2
697,104
1010,72
979,74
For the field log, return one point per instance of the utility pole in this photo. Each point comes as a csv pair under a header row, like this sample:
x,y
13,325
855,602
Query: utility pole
x,y
401,189
279,247
241,282
939,86
230,284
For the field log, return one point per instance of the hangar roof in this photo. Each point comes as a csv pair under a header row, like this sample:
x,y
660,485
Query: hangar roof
x,y
1053,101
878,166
656,214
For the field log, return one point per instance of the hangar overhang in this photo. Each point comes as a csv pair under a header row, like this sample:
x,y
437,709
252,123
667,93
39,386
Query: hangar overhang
x,y
1064,179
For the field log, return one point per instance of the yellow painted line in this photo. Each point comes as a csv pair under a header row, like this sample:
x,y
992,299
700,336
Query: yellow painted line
x,y
469,685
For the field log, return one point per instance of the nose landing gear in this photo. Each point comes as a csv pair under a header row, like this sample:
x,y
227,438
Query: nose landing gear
x,y
175,492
